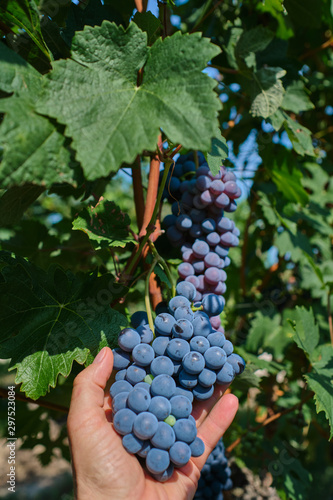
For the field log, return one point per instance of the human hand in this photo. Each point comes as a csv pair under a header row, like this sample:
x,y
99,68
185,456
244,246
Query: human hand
x,y
103,469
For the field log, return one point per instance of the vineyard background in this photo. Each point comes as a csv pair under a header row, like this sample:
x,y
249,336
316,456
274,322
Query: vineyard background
x,y
271,124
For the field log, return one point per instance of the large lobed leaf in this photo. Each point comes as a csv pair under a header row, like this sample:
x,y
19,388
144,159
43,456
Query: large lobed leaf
x,y
111,118
267,91
33,148
51,319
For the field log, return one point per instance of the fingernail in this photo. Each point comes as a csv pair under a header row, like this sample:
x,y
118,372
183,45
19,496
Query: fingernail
x,y
100,356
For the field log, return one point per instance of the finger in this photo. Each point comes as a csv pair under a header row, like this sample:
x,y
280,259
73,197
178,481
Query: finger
x,y
201,409
215,424
88,389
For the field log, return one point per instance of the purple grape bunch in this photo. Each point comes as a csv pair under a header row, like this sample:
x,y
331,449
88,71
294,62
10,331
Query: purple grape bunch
x,y
158,377
215,475
198,224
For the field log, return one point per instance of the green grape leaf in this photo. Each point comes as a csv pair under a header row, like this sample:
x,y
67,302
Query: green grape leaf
x,y
25,15
300,137
296,98
295,244
150,24
33,149
263,330
105,224
218,153
252,41
267,91
322,385
121,118
289,183
50,319
306,331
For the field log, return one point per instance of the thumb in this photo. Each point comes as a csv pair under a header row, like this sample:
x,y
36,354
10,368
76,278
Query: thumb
x,y
88,388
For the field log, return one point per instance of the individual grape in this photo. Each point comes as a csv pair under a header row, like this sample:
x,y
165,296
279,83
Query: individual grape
x,y
187,201
193,362
121,359
199,267
160,407
208,225
145,333
174,235
143,354
213,239
119,401
231,189
177,348
169,220
206,197
138,400
201,326
185,430
207,378
203,182
212,259
228,239
199,344
161,308
183,313
131,443
135,374
217,339
139,318
185,269
123,421
222,200
228,347
203,170
218,289
231,207
120,375
144,425
188,256
224,224
216,187
213,275
201,393
226,374
215,357
221,251
164,437
157,461
187,380
120,386
236,231
181,406
160,344
188,166
182,329
161,365
180,453
164,323
178,301
200,249
163,385
226,261
128,339
195,232
197,447
237,362
186,289
212,305
183,223
229,176
218,175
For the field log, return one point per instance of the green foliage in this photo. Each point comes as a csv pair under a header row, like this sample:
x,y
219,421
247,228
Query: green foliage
x,y
88,94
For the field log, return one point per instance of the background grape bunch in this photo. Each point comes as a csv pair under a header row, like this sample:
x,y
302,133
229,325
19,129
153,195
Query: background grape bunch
x,y
198,224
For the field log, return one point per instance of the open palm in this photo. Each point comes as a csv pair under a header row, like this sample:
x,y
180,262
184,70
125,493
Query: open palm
x,y
102,468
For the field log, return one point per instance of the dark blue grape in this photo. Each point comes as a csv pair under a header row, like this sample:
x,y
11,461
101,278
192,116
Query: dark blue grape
x,y
164,437
180,453
163,385
123,421
139,318
120,386
138,400
144,425
164,323
160,407
157,461
161,365
182,329
181,406
131,443
143,354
